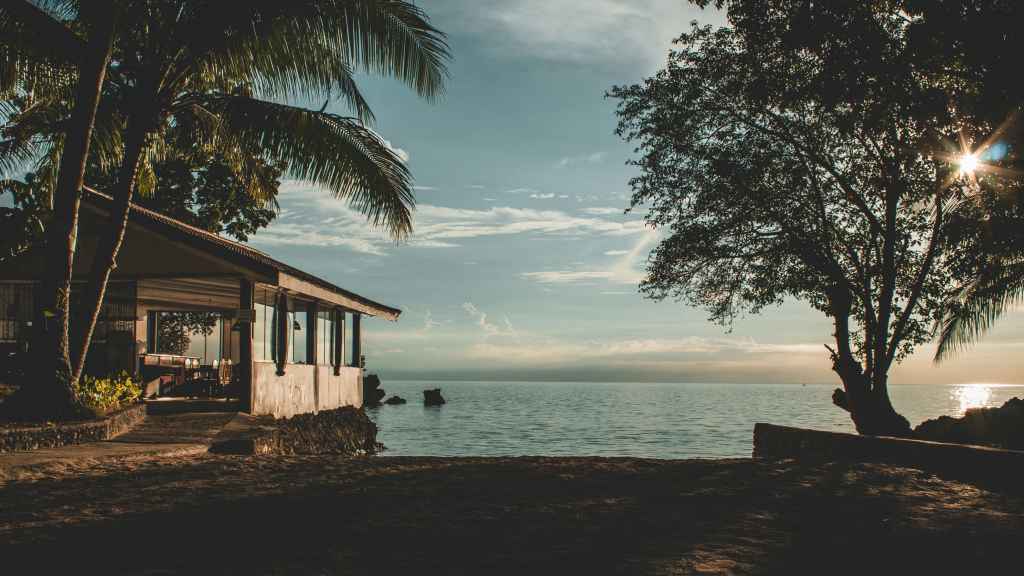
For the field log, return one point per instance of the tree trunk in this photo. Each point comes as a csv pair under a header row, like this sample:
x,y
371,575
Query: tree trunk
x,y
864,397
870,408
52,392
110,244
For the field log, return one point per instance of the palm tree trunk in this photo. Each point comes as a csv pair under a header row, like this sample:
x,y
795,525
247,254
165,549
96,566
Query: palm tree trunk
x,y
53,392
110,244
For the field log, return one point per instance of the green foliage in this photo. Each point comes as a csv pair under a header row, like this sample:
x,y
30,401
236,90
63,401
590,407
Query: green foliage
x,y
22,224
104,395
946,68
205,190
989,239
805,153
175,330
212,79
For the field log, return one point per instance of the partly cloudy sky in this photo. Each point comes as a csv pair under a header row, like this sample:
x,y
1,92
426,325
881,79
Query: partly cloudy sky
x,y
523,264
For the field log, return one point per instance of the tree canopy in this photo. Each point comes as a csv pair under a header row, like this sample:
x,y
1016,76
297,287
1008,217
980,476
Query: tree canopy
x,y
804,152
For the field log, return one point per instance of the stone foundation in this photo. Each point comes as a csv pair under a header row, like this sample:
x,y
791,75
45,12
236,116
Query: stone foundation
x,y
56,435
345,431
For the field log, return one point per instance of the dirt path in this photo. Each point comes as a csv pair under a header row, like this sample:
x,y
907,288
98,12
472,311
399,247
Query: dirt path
x,y
323,515
167,434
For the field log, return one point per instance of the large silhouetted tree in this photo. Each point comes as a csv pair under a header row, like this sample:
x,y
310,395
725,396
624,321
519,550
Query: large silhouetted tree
x,y
804,152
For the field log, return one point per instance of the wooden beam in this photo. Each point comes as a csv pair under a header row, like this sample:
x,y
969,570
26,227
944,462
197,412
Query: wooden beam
x,y
339,340
283,329
312,333
245,298
312,290
357,340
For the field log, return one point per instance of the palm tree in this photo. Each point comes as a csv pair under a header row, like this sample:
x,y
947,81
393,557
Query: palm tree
x,y
40,52
216,75
994,285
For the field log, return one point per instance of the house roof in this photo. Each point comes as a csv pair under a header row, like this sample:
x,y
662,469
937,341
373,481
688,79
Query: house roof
x,y
245,256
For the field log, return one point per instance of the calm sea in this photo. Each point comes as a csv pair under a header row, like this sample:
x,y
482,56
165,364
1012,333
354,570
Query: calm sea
x,y
631,419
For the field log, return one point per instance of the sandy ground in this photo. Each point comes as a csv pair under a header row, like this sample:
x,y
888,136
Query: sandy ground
x,y
201,514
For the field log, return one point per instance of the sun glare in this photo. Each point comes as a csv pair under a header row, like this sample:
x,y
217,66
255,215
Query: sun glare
x,y
968,164
971,396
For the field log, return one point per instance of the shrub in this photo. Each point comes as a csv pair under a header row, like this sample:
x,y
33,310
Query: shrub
x,y
104,395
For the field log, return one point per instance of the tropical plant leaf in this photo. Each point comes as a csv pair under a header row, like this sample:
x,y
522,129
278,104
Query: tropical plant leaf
x,y
975,308
339,153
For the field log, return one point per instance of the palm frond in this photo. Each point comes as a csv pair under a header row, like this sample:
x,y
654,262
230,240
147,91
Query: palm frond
x,y
395,38
25,23
975,308
310,48
336,152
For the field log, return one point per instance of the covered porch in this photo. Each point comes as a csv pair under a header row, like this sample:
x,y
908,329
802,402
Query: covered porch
x,y
191,313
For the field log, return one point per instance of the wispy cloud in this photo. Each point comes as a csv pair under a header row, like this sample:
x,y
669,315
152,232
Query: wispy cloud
x,y
402,154
317,219
594,158
602,211
489,329
554,351
622,271
428,321
546,196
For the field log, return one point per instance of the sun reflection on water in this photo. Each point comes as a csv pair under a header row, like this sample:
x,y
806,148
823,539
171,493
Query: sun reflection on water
x,y
971,396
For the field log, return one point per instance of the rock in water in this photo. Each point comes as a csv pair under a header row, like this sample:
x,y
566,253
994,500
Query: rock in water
x,y
395,400
433,397
372,394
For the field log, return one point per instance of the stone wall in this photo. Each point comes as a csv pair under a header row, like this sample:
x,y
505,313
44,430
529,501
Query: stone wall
x,y
961,461
55,435
344,431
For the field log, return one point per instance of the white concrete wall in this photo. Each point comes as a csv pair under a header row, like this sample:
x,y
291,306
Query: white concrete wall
x,y
304,388
283,396
346,389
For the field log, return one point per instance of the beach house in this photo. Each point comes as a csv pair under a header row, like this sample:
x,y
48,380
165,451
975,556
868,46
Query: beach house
x,y
277,339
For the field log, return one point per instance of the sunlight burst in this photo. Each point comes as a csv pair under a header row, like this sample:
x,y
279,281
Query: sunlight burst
x,y
968,163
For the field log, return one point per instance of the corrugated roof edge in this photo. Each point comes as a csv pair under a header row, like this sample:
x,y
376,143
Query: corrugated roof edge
x,y
247,253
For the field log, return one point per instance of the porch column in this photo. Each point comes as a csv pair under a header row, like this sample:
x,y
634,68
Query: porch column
x,y
339,340
357,340
245,305
312,334
283,331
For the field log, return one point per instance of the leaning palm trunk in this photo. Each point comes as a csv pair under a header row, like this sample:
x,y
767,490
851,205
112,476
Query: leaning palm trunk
x,y
54,389
110,244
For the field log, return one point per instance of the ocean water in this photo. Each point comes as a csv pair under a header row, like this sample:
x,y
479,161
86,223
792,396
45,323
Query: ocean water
x,y
631,419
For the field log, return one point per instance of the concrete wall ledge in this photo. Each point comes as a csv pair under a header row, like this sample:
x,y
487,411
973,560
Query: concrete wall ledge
x,y
56,435
959,461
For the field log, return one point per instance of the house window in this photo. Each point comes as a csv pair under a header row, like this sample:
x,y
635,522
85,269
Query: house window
x,y
324,337
298,319
15,311
192,334
263,333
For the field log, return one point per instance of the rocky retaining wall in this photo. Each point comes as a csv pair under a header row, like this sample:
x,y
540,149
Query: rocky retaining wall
x,y
344,431
960,461
55,435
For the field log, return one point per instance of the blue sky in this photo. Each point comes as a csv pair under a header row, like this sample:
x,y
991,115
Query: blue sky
x,y
523,265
